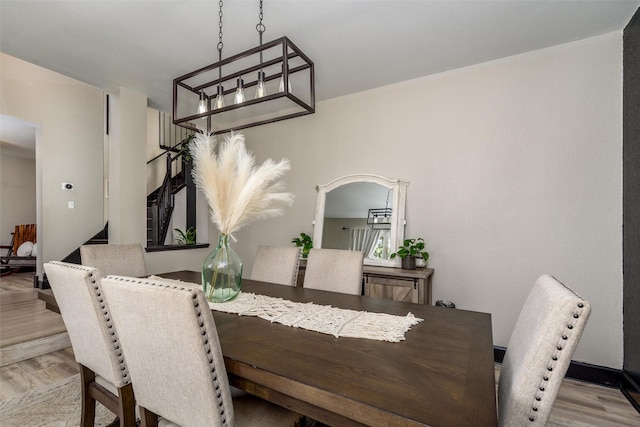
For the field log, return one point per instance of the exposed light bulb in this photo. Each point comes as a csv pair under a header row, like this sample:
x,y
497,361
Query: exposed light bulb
x,y
239,97
219,102
281,85
261,89
202,104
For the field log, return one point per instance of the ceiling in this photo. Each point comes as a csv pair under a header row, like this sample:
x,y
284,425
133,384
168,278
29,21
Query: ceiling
x,y
355,44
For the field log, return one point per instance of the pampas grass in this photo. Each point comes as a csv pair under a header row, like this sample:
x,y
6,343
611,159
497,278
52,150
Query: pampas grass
x,y
237,191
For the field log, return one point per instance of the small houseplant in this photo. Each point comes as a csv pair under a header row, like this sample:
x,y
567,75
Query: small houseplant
x,y
304,242
186,237
409,251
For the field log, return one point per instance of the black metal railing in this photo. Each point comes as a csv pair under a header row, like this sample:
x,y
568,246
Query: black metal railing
x,y
174,140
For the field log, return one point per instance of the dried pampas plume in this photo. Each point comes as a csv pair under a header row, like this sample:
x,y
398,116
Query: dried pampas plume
x,y
237,191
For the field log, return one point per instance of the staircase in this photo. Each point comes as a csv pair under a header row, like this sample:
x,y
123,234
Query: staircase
x,y
160,203
27,328
101,238
154,203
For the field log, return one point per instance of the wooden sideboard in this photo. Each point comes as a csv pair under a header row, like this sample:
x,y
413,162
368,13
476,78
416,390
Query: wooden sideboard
x,y
398,284
391,283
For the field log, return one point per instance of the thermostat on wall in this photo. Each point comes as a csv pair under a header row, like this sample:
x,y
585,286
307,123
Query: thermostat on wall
x,y
67,185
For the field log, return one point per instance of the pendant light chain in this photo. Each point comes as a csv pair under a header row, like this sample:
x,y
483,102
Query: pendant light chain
x,y
260,27
220,44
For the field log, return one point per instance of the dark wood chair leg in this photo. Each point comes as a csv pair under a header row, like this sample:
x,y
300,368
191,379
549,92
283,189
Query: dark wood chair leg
x,y
87,376
148,418
127,405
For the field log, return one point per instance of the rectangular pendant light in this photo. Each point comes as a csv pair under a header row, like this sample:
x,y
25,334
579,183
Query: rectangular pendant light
x,y
287,90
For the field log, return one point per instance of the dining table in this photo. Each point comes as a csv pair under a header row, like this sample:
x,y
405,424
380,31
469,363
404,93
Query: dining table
x,y
441,374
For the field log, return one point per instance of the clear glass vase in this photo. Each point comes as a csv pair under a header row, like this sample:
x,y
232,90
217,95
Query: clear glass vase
x,y
222,272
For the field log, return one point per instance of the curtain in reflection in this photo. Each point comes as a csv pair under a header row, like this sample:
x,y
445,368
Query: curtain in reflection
x,y
364,239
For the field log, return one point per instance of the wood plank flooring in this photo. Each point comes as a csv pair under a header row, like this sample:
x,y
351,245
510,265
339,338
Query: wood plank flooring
x,y
579,404
39,371
27,329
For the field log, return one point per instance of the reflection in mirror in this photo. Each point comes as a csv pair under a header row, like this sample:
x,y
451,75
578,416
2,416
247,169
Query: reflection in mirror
x,y
347,212
361,212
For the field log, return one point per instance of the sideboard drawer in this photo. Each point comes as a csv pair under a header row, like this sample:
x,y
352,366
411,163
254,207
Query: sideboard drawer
x,y
398,284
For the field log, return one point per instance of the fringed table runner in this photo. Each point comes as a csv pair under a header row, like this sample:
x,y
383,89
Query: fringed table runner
x,y
338,322
334,321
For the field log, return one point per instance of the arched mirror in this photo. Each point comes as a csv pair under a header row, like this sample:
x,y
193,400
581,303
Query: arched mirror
x,y
362,212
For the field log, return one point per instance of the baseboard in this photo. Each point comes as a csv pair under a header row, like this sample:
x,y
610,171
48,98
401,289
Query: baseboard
x,y
600,375
631,390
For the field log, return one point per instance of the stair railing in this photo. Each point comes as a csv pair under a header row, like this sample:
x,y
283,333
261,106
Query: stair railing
x,y
171,139
162,208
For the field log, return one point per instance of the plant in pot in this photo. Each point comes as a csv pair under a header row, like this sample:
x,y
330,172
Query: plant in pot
x,y
186,237
409,251
304,242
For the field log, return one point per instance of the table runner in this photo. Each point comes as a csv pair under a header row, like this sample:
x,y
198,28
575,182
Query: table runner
x,y
338,322
325,319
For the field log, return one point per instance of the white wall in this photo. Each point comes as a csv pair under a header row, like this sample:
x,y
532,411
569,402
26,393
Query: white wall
x,y
514,169
69,148
17,195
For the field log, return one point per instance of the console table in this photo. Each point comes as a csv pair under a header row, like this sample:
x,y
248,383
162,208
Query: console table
x,y
391,283
398,284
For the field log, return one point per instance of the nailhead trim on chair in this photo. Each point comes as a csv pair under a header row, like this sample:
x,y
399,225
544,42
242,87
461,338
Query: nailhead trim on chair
x,y
107,318
554,358
203,331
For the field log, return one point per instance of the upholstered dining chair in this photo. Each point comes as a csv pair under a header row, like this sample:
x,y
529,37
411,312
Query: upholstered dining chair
x,y
174,357
334,270
542,343
103,371
122,260
276,264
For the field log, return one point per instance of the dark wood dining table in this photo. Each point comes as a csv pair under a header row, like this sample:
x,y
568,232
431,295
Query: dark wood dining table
x,y
442,374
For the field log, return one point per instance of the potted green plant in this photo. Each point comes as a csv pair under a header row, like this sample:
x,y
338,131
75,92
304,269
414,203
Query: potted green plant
x,y
186,237
304,242
409,251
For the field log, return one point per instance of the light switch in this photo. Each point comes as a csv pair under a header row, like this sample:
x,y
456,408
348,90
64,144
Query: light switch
x,y
72,204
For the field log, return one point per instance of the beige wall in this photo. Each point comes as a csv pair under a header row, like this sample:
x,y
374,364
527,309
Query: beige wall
x,y
17,195
514,169
127,167
69,148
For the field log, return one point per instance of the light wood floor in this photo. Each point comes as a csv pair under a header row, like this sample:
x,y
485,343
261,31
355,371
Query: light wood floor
x,y
27,328
579,404
23,317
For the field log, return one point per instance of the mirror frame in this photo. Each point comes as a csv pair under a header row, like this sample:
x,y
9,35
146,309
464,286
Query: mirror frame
x,y
398,222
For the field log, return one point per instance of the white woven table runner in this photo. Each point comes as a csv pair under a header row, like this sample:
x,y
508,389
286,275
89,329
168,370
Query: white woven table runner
x,y
334,321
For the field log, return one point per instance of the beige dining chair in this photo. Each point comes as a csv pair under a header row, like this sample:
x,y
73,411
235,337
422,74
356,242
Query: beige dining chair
x,y
276,264
334,270
542,343
174,357
103,371
122,260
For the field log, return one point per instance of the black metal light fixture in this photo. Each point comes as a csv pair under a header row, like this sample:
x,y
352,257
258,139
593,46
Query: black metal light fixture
x,y
380,218
284,87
